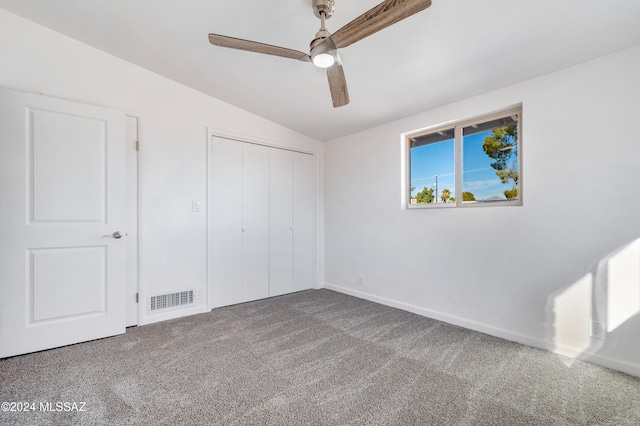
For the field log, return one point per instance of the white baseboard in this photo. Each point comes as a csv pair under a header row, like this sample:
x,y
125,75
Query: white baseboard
x,y
625,367
172,314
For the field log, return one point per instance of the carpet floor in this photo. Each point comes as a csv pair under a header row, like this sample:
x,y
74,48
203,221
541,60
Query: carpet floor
x,y
311,358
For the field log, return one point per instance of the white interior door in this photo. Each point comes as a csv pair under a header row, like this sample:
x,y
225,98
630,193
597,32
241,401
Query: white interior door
x,y
281,222
303,221
255,222
225,222
261,221
62,188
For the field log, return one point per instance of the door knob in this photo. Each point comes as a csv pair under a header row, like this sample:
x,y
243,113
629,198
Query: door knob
x,y
114,235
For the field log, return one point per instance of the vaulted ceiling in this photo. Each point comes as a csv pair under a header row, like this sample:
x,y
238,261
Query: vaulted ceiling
x,y
453,50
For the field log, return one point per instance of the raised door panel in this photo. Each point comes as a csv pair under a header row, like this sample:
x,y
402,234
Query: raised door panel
x,y
303,221
67,282
255,222
225,222
67,187
281,222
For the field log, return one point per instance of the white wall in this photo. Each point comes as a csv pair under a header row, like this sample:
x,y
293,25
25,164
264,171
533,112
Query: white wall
x,y
172,160
536,273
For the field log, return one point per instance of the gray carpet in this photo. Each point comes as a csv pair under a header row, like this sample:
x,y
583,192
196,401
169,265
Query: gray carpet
x,y
317,358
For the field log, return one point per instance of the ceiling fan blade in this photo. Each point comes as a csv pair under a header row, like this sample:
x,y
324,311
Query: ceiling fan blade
x,y
338,85
383,15
254,46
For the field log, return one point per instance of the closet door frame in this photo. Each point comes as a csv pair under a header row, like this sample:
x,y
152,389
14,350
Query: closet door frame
x,y
218,133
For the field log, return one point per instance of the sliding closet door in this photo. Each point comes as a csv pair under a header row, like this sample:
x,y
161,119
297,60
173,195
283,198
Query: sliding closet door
x,y
303,221
255,221
225,222
281,222
261,221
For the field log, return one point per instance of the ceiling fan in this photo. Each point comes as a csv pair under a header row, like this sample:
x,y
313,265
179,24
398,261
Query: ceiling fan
x,y
324,47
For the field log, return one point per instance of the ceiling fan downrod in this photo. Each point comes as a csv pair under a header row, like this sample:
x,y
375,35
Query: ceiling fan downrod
x,y
323,55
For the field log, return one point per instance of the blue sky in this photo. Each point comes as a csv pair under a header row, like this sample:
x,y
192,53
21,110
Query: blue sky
x,y
434,159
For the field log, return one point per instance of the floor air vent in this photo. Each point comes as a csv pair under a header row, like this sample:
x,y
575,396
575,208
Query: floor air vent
x,y
171,300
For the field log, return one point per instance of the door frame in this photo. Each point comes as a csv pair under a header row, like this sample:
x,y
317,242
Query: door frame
x,y
133,215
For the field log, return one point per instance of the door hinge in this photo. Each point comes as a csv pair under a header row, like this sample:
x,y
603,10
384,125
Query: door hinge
x,y
137,297
137,145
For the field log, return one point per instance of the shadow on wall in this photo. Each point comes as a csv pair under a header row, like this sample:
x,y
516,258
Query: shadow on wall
x,y
585,313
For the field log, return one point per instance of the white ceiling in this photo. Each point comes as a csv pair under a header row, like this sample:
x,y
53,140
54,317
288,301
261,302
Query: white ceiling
x,y
451,51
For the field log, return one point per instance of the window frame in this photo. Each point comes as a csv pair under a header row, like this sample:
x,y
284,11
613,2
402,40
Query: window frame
x,y
458,126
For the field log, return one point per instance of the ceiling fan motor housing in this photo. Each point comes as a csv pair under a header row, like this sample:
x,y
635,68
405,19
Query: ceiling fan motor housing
x,y
323,6
320,36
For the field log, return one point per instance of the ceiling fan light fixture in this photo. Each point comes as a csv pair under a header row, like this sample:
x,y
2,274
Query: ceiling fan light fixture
x,y
323,51
323,60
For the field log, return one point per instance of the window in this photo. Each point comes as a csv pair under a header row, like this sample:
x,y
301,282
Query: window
x,y
474,162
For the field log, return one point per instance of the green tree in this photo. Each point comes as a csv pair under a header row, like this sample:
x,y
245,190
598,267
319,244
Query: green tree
x,y
502,146
446,194
468,196
511,194
425,196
